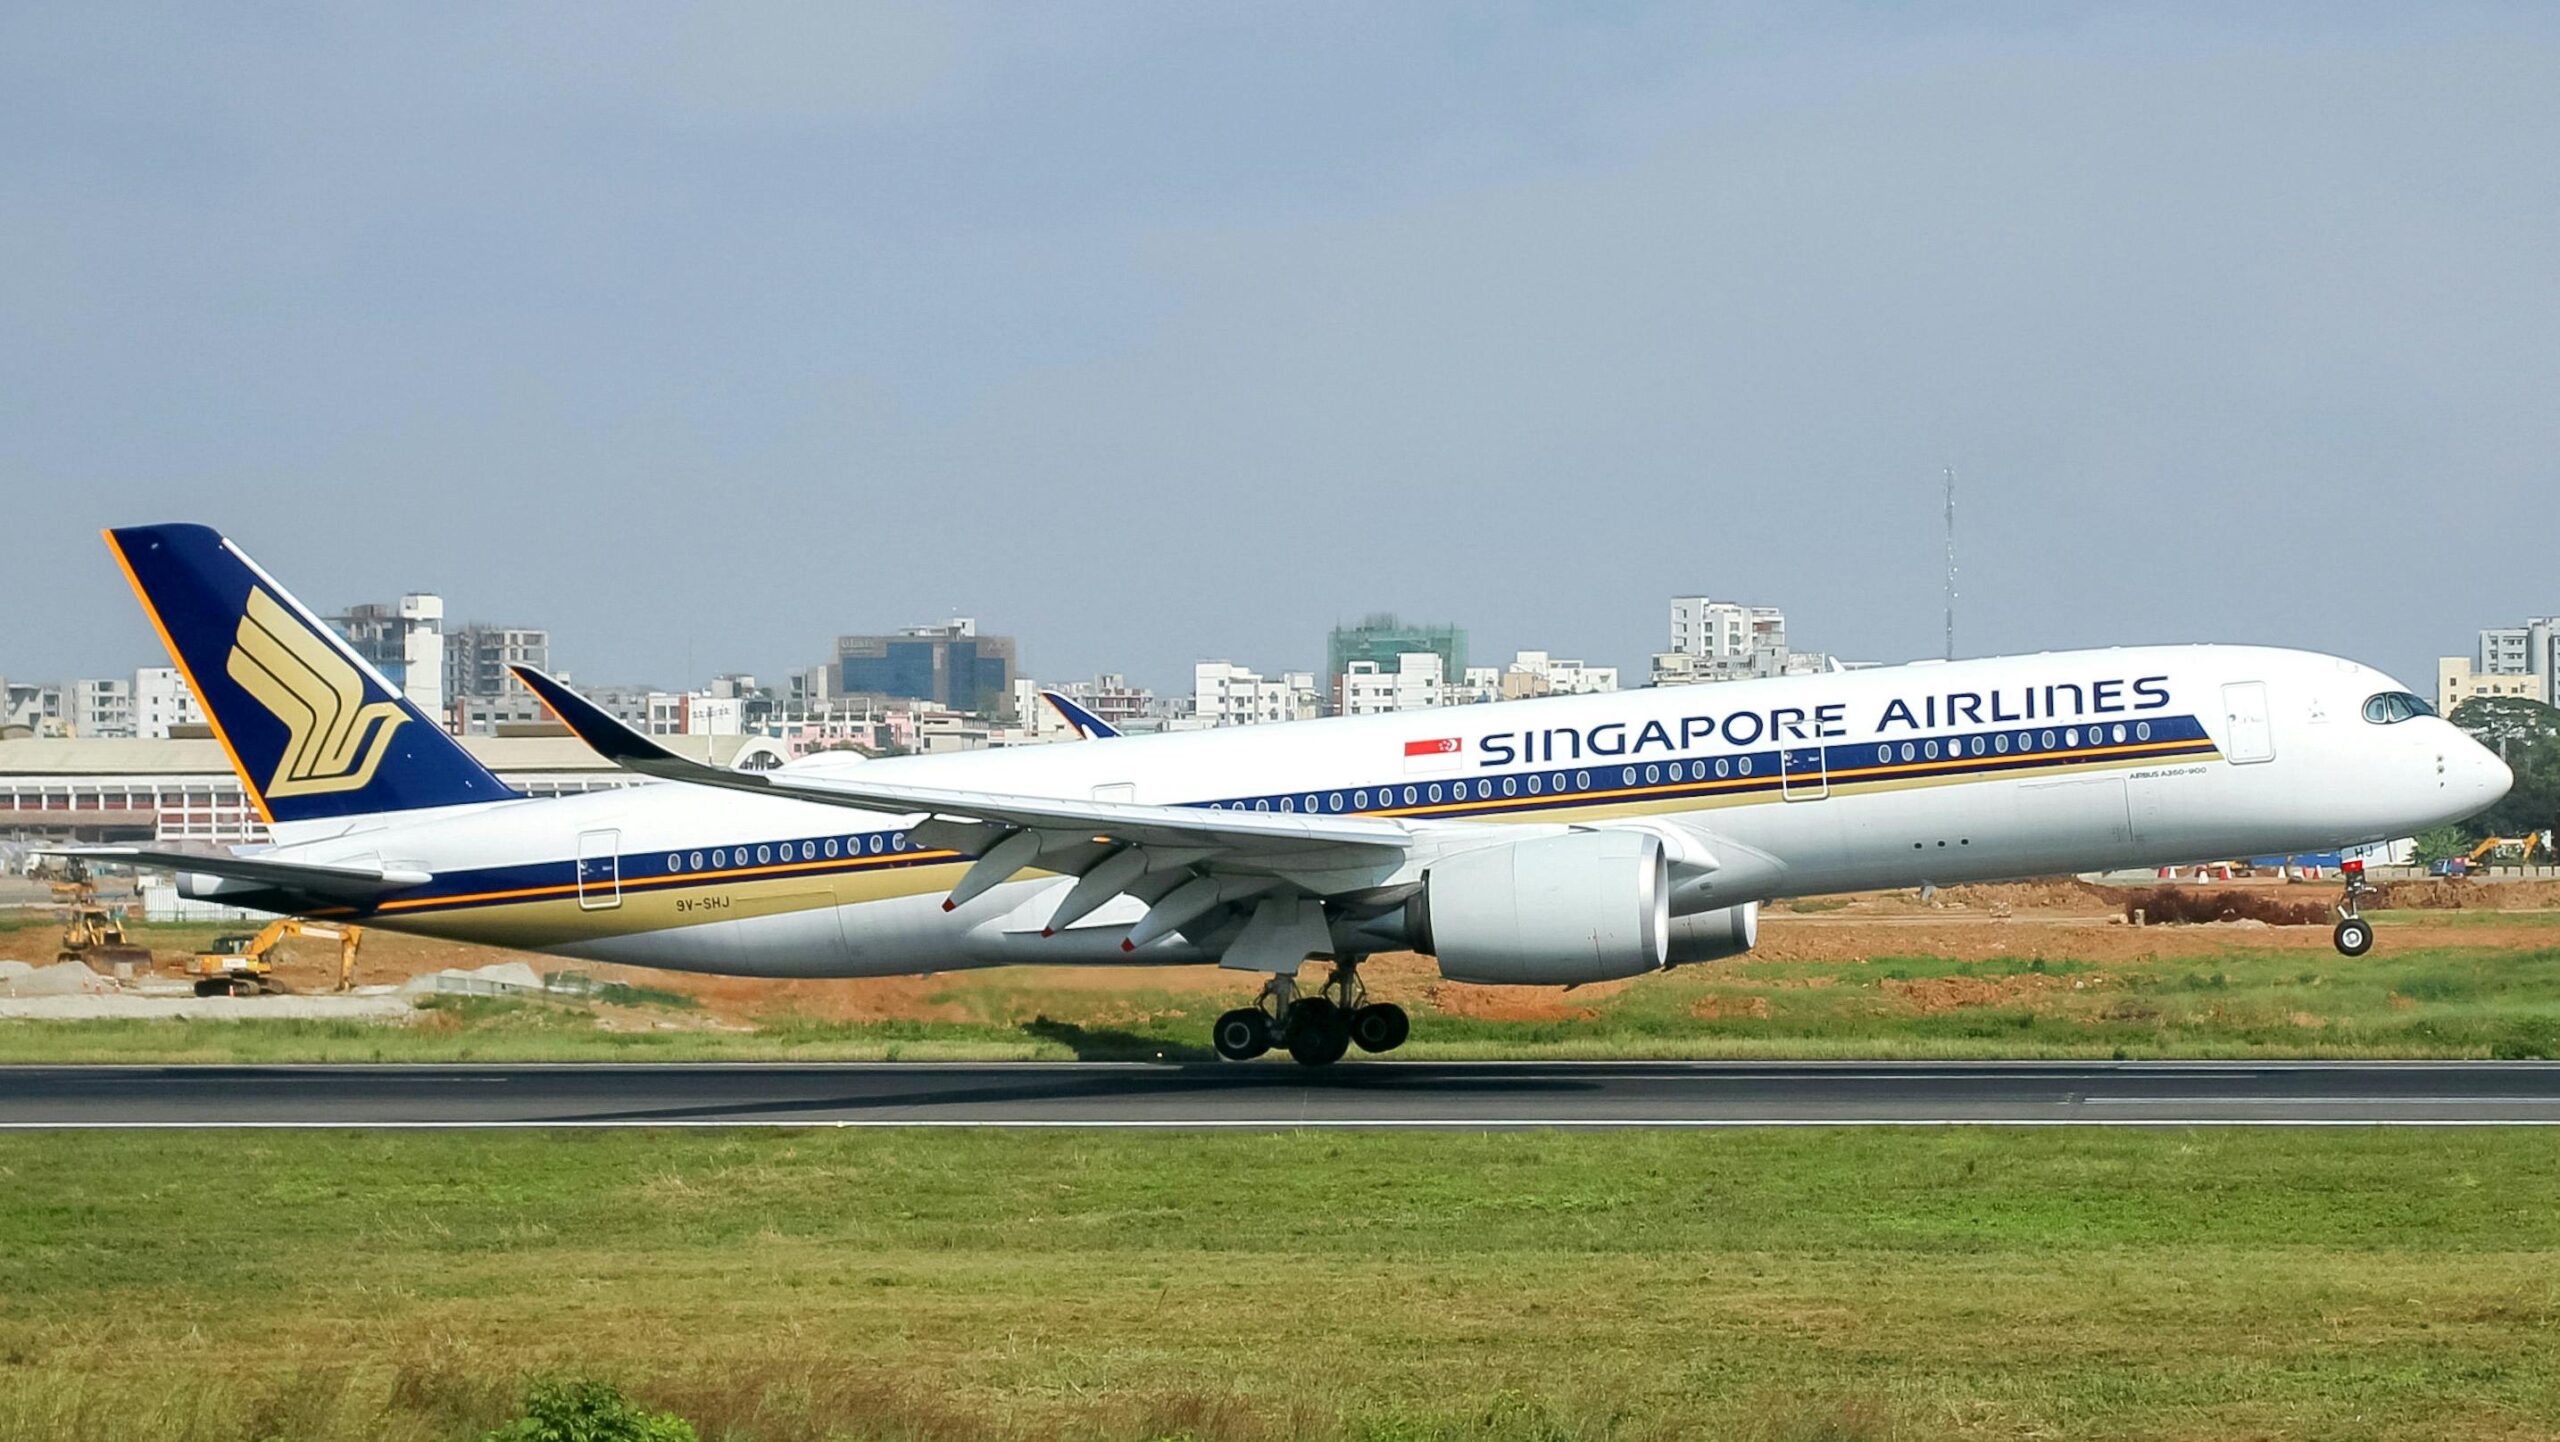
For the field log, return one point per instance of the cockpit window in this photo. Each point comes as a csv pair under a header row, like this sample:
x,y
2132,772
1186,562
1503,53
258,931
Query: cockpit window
x,y
2395,706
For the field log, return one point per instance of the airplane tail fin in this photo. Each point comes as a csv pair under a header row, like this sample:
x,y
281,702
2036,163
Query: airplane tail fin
x,y
315,731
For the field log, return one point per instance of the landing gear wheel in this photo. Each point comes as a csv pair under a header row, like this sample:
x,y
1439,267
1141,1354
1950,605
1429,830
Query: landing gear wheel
x,y
2354,936
1319,1033
1379,1026
1242,1034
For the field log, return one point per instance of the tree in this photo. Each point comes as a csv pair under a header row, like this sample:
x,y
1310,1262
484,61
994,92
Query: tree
x,y
2500,722
2440,843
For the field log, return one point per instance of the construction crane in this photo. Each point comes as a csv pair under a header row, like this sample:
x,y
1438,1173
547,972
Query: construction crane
x,y
244,964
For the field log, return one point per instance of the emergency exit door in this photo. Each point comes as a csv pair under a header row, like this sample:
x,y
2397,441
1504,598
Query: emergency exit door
x,y
1804,773
599,870
2248,735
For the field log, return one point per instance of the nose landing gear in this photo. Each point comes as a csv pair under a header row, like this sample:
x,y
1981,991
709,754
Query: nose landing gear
x,y
2354,934
1317,1030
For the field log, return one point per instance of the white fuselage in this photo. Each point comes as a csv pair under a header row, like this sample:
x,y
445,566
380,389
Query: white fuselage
x,y
1964,771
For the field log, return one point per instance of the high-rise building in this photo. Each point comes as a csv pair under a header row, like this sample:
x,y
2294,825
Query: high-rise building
x,y
2532,649
405,642
102,707
1228,695
163,704
1533,673
1417,681
950,664
2458,680
1721,641
1111,698
1381,640
38,708
477,655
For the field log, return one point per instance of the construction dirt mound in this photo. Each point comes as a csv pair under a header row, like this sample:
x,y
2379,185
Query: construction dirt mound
x,y
2445,894
2187,906
2053,893
63,978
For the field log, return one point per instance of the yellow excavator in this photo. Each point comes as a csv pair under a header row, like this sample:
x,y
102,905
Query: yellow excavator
x,y
245,964
92,933
2493,843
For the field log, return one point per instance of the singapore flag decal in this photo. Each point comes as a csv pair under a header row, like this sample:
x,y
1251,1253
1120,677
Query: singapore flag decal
x,y
1448,753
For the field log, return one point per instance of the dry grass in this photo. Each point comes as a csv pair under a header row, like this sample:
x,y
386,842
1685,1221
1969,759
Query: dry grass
x,y
1853,1285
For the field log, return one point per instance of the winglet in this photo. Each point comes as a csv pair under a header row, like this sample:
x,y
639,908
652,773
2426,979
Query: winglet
x,y
608,737
1085,722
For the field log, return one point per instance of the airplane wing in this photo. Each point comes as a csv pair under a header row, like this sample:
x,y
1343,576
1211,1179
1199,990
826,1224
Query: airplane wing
x,y
333,883
1088,725
1186,862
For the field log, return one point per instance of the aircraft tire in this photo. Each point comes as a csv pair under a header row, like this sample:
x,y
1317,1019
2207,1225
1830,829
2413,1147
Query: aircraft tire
x,y
1242,1034
1380,1026
2354,936
1318,1032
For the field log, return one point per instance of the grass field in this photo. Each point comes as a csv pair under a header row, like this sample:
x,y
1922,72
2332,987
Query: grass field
x,y
1778,1284
2442,985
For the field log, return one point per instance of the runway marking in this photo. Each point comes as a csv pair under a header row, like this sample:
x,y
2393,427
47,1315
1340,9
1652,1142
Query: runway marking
x,y
1283,1124
2490,1101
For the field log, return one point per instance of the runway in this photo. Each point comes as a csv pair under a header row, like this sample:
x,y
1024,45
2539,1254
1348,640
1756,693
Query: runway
x,y
1422,1095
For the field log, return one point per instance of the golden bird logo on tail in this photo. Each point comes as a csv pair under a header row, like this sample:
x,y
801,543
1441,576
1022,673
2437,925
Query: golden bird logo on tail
x,y
334,740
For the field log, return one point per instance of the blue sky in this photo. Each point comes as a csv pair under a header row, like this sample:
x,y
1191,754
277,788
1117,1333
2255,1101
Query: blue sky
x,y
1151,333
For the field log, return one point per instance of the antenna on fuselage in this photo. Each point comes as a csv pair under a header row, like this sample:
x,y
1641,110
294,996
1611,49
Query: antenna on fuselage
x,y
1951,563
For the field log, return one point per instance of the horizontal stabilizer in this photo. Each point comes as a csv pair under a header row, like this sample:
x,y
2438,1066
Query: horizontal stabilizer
x,y
334,883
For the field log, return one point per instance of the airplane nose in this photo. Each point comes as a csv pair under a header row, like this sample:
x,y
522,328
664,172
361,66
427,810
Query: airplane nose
x,y
2492,776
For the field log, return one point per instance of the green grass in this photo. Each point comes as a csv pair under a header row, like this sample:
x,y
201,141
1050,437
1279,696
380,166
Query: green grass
x,y
2429,1002
1783,1284
2435,998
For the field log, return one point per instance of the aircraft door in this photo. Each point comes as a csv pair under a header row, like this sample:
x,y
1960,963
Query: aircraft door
x,y
599,870
2251,738
1804,773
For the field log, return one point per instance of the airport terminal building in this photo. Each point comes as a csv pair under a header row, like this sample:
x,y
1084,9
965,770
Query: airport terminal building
x,y
184,791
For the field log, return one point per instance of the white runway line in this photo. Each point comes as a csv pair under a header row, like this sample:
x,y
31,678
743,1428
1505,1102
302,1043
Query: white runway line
x,y
1448,1124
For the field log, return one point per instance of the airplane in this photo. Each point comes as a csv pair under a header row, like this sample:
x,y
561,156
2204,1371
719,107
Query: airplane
x,y
1556,841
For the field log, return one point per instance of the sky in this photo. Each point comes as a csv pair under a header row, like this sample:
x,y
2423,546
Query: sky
x,y
1155,333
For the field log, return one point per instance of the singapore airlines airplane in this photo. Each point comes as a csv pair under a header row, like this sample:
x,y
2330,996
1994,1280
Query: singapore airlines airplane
x,y
1545,842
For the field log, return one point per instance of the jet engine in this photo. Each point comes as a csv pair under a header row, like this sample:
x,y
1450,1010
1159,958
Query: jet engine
x,y
1714,935
1554,911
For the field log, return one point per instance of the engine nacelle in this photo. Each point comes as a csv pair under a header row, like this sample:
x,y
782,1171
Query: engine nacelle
x,y
1714,935
1555,911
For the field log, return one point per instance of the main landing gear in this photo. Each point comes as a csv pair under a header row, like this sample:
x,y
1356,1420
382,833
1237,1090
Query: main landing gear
x,y
1315,1029
2354,936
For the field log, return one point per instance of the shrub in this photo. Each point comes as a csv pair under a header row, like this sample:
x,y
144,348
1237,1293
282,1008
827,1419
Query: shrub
x,y
573,1411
